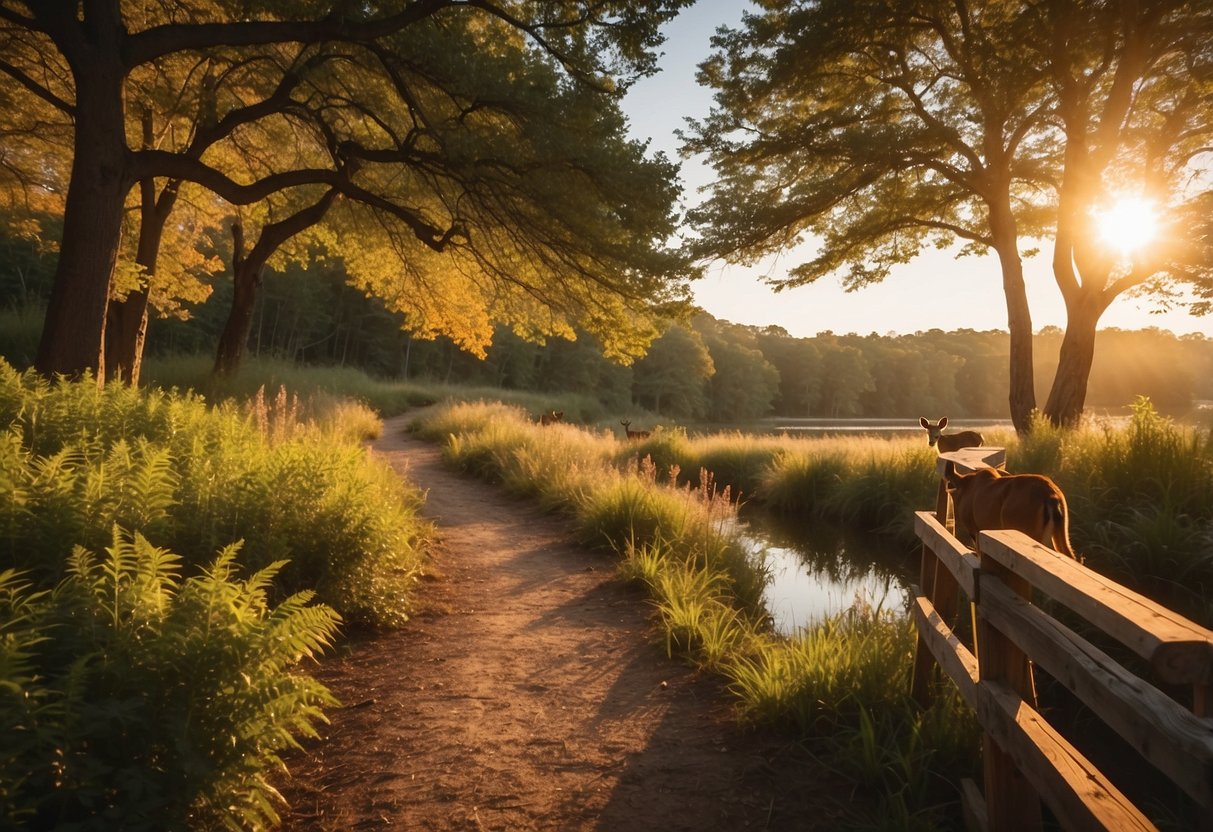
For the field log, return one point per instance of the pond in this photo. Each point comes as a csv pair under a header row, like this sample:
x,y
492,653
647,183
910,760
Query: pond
x,y
820,570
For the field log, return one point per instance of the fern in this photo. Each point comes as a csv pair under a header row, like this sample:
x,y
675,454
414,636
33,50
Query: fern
x,y
143,700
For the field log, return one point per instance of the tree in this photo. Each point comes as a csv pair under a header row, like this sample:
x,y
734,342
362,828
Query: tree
x,y
797,360
879,127
670,379
247,269
744,385
845,377
1129,93
78,59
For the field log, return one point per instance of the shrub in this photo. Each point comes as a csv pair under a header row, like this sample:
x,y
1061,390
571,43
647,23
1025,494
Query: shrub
x,y
76,460
135,699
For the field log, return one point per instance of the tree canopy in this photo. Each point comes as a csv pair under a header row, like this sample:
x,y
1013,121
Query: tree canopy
x,y
878,127
476,149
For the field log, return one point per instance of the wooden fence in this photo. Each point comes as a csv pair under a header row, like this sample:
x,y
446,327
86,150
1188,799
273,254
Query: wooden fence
x,y
1027,761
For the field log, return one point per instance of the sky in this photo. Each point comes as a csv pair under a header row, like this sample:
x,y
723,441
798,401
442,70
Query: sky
x,y
935,290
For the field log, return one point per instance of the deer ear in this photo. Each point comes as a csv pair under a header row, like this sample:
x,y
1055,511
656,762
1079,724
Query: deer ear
x,y
943,422
922,420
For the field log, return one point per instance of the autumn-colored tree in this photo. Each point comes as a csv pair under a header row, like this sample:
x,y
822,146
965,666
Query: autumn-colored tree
x,y
877,127
80,60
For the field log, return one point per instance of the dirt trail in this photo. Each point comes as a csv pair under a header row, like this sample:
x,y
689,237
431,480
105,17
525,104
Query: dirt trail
x,y
532,697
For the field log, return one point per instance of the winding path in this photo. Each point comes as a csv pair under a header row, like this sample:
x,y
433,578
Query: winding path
x,y
530,695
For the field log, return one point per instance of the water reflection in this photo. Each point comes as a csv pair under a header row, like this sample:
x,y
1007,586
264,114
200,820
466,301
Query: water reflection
x,y
819,570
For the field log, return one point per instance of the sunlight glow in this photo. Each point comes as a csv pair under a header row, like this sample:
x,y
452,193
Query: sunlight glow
x,y
1129,224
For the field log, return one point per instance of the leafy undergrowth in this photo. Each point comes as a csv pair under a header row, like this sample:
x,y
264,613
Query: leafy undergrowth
x,y
151,687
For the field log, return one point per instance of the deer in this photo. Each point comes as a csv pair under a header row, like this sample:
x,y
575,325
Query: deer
x,y
991,499
947,442
633,435
551,417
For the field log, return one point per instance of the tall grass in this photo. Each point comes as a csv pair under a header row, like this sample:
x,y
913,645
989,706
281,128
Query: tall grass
x,y
75,460
388,397
842,685
153,687
1141,501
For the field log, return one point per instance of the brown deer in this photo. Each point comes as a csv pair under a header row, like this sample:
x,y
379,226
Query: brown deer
x,y
947,442
633,435
990,499
551,417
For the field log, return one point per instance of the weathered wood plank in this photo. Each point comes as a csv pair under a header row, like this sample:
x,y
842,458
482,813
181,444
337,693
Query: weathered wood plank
x,y
973,806
1179,650
952,656
968,460
951,553
1012,801
1077,792
1170,737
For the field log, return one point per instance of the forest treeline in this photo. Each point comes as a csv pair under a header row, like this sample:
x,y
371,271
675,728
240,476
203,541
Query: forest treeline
x,y
707,370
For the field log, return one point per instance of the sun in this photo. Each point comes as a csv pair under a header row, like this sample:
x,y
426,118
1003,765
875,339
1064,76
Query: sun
x,y
1129,224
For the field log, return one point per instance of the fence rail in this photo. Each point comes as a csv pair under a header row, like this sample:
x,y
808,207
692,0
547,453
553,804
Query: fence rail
x,y
1027,761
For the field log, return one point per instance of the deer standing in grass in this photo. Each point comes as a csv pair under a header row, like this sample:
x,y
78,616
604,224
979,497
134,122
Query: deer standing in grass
x,y
989,499
947,442
551,417
633,435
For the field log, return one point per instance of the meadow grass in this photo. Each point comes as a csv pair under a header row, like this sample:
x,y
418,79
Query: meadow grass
x,y
154,687
1141,500
388,397
75,461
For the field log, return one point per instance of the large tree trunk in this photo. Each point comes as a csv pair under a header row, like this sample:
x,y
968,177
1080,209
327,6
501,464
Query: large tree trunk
x,y
74,330
1068,395
125,334
1022,394
126,322
239,324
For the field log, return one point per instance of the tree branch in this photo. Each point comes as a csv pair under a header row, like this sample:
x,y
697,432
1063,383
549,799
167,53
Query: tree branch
x,y
37,89
159,41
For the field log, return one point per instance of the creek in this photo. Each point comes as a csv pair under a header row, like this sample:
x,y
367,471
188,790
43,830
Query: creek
x,y
819,570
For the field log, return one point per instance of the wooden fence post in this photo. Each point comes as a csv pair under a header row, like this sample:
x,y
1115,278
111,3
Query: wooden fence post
x,y
931,584
1012,804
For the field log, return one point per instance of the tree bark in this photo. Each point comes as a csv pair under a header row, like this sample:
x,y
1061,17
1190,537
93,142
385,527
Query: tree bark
x,y
125,335
1022,394
1068,396
73,333
127,320
246,272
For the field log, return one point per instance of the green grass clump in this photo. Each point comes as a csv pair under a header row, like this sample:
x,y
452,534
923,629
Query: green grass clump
x,y
387,397
75,460
133,697
871,484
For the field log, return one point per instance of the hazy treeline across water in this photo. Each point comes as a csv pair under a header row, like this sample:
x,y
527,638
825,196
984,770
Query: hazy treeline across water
x,y
708,370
